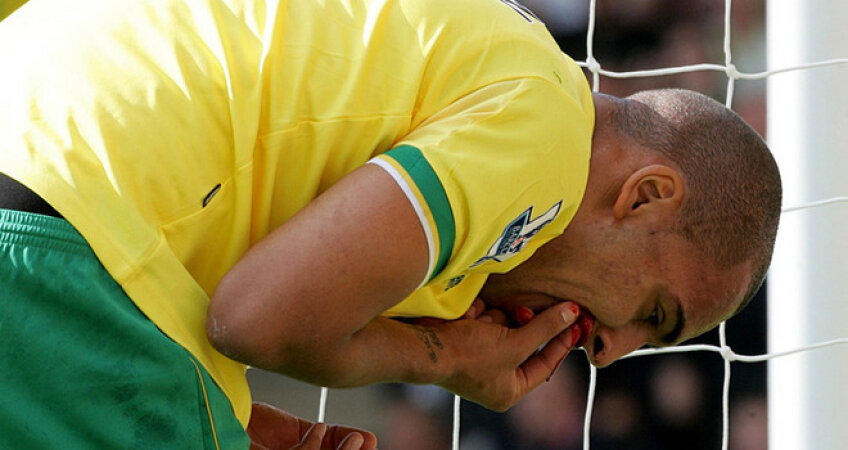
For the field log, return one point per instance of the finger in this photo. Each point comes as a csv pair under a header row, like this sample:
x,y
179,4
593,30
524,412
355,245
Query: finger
x,y
544,327
523,315
541,366
313,437
576,333
274,428
340,433
476,308
494,316
353,441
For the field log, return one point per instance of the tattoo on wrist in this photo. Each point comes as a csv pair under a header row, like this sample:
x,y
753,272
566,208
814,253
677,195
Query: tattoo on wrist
x,y
431,340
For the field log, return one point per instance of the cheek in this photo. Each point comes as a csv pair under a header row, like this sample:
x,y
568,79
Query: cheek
x,y
620,276
613,317
618,294
616,306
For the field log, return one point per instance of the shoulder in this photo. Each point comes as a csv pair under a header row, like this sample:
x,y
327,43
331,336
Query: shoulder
x,y
493,19
472,44
483,10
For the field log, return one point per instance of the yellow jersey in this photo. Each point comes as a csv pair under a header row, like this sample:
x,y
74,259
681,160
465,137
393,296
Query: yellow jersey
x,y
174,134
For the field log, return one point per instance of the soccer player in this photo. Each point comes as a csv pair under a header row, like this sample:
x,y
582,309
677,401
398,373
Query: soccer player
x,y
191,186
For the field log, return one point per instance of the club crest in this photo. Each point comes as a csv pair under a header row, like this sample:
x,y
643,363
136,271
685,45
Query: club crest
x,y
516,235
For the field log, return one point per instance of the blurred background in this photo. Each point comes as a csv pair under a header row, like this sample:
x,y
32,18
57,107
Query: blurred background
x,y
655,402
665,402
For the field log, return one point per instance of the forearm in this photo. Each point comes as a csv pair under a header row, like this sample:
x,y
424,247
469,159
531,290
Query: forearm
x,y
307,300
487,363
384,350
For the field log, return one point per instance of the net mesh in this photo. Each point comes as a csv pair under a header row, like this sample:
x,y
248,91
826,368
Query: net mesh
x,y
733,74
723,349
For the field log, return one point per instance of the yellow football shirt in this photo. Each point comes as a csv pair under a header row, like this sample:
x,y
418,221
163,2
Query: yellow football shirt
x,y
173,134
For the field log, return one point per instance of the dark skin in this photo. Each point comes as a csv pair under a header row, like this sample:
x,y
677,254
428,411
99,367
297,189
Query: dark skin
x,y
274,429
288,307
326,328
620,259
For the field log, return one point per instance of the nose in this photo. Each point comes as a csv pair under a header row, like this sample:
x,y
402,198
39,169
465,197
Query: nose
x,y
607,345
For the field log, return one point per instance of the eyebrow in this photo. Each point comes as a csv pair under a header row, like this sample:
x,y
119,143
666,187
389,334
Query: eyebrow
x,y
672,336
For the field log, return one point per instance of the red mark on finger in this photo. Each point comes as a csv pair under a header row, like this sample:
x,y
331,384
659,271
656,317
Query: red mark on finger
x,y
524,315
576,334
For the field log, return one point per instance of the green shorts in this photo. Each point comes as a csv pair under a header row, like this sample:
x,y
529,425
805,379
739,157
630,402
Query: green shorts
x,y
81,366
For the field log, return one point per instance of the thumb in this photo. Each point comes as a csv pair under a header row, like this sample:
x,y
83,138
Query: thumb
x,y
545,326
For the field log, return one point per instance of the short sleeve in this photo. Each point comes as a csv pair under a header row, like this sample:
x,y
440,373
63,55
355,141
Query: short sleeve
x,y
492,177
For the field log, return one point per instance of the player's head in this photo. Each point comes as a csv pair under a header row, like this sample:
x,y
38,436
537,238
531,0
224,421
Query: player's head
x,y
733,185
675,231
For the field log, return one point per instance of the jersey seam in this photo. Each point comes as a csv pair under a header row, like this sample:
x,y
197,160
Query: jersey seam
x,y
313,120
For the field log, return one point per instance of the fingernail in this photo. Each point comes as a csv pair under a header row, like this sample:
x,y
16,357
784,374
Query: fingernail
x,y
570,312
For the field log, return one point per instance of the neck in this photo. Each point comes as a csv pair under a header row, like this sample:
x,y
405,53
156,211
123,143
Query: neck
x,y
609,160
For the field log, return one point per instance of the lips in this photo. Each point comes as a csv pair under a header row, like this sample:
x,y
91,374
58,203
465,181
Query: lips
x,y
586,322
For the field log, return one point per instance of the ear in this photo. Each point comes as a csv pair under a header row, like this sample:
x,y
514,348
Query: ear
x,y
654,189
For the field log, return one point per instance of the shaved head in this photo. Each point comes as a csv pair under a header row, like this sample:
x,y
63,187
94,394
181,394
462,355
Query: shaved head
x,y
733,201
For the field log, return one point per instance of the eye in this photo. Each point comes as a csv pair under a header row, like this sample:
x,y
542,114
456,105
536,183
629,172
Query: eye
x,y
655,318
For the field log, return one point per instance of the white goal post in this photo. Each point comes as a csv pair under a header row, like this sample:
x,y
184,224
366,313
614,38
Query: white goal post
x,y
808,282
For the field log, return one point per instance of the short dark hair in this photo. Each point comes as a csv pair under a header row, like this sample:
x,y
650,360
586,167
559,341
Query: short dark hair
x,y
734,190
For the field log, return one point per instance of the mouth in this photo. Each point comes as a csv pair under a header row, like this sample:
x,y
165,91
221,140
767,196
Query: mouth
x,y
533,304
585,322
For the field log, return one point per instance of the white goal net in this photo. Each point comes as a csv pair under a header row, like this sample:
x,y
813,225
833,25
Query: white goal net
x,y
807,79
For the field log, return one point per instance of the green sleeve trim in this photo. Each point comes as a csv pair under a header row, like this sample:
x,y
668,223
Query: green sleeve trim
x,y
422,173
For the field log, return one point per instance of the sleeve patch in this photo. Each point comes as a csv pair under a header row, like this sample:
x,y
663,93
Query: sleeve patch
x,y
518,233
